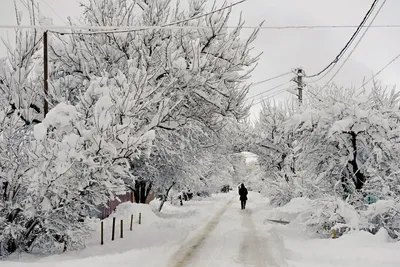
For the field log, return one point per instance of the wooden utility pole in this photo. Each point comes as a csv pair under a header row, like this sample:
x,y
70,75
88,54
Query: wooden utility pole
x,y
45,74
300,84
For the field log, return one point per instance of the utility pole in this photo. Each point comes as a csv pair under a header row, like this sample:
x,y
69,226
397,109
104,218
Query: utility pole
x,y
299,81
45,74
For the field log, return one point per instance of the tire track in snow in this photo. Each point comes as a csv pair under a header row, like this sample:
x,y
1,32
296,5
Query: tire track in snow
x,y
182,258
254,250
249,251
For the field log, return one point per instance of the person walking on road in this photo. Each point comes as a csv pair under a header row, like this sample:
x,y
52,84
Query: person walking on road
x,y
243,196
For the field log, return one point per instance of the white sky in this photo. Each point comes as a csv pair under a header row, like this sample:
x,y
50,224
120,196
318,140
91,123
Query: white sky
x,y
284,50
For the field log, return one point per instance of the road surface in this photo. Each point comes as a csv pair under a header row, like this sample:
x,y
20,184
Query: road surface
x,y
229,239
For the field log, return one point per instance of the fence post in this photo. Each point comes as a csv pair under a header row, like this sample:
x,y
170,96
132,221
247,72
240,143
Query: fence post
x,y
131,222
122,228
140,218
113,230
102,233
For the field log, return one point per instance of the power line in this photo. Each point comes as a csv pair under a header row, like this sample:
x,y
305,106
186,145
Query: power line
x,y
337,58
58,15
269,90
138,28
26,5
165,25
358,42
270,79
311,27
314,95
323,76
35,45
265,97
379,72
262,99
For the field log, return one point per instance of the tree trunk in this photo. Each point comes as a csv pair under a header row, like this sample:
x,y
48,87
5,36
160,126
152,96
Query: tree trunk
x,y
359,176
165,198
142,190
11,246
146,192
345,186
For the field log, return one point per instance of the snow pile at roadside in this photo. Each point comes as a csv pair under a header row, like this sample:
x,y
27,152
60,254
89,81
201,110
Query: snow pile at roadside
x,y
321,216
124,212
383,214
355,249
291,211
160,234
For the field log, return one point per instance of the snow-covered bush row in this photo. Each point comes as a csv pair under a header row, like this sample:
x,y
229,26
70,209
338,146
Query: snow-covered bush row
x,y
139,110
383,214
332,217
341,144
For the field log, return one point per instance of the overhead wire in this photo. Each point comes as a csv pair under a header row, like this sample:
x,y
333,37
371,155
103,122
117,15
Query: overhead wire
x,y
379,72
323,76
313,95
161,26
26,5
137,28
268,90
52,9
356,45
347,45
270,79
172,25
262,99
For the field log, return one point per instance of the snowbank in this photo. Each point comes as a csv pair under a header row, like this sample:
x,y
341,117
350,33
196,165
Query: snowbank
x,y
160,234
291,211
319,216
356,249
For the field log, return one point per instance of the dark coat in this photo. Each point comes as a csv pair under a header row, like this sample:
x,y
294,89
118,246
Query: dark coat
x,y
243,193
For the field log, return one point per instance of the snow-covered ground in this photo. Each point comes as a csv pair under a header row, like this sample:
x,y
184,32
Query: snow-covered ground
x,y
359,249
234,239
356,249
215,232
150,243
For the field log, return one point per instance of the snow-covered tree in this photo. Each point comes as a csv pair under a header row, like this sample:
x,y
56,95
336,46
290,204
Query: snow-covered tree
x,y
343,144
21,102
111,96
188,75
201,71
274,148
347,139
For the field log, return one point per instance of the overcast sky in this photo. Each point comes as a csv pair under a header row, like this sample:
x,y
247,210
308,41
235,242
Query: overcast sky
x,y
284,50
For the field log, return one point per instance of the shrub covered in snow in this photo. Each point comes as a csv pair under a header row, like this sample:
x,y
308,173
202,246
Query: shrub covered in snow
x,y
342,144
333,217
383,214
279,193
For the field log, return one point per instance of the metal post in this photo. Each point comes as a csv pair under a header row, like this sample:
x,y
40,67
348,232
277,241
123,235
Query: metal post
x,y
122,228
102,233
113,230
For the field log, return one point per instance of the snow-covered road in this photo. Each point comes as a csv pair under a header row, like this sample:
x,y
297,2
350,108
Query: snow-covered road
x,y
229,239
215,232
